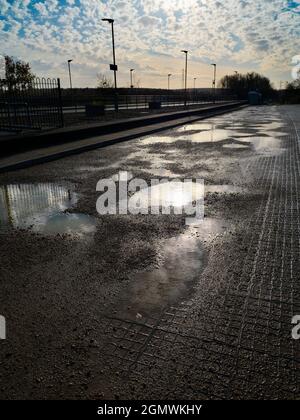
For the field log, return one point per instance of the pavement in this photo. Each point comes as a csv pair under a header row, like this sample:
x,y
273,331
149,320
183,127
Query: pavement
x,y
143,306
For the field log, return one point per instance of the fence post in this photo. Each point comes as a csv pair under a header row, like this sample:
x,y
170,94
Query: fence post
x,y
9,116
28,115
60,103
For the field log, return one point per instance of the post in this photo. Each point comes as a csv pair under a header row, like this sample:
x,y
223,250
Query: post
x,y
115,71
169,75
214,81
60,108
70,75
71,84
111,21
186,70
215,78
131,78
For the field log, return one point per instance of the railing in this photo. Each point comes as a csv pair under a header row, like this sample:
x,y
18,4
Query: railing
x,y
141,102
35,105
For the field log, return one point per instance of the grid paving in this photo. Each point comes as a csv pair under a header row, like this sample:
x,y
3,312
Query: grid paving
x,y
238,344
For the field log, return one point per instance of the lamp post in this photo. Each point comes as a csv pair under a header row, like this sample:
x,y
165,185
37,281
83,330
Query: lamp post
x,y
185,80
214,81
194,94
114,67
70,75
169,76
131,78
71,84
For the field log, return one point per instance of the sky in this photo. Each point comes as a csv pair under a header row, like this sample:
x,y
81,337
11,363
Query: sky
x,y
238,35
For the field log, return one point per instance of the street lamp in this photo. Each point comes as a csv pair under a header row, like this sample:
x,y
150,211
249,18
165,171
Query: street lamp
x,y
71,84
195,78
113,66
169,76
215,79
185,81
131,78
70,75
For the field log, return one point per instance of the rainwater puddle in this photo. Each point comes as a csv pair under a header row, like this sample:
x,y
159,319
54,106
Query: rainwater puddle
x,y
162,173
89,168
222,189
235,146
181,261
267,146
42,208
174,194
269,125
159,139
196,127
213,135
268,133
207,136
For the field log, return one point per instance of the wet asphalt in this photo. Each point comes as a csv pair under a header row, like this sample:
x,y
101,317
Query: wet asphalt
x,y
144,306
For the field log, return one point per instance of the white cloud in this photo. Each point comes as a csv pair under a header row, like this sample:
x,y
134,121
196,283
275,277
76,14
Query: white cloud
x,y
41,7
238,34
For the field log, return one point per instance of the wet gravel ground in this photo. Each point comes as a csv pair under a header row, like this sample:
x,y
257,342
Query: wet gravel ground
x,y
144,306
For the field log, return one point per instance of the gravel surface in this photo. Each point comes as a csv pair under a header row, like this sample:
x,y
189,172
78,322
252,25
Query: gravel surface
x,y
144,306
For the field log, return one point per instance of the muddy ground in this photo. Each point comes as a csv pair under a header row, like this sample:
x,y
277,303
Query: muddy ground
x,y
144,306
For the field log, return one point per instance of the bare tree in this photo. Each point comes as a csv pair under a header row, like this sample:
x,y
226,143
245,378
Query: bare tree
x,y
2,67
104,82
241,84
17,72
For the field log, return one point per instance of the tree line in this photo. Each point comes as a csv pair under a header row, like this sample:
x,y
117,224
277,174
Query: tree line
x,y
241,84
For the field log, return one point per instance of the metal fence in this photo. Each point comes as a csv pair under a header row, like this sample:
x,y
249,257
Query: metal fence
x,y
136,102
140,102
36,105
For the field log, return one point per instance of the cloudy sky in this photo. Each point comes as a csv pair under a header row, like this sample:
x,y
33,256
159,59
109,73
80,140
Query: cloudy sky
x,y
239,35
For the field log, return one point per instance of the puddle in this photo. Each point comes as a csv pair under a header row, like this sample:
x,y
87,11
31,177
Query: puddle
x,y
181,261
159,139
184,259
65,223
222,189
196,127
89,168
268,133
267,146
207,136
162,173
42,208
211,136
176,194
210,133
173,194
269,125
235,146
